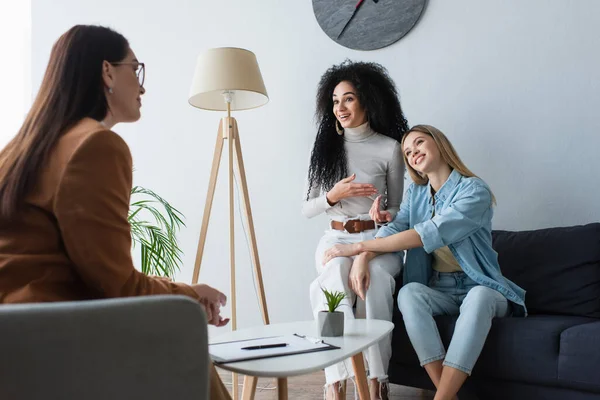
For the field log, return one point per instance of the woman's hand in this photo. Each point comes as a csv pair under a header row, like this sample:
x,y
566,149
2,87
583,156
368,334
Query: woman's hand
x,y
345,188
215,314
212,300
340,250
378,215
360,278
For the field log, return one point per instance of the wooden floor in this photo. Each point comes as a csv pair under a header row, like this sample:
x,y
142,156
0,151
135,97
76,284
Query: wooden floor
x,y
310,387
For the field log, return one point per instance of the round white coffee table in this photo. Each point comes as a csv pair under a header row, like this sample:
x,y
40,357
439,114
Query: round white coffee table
x,y
359,334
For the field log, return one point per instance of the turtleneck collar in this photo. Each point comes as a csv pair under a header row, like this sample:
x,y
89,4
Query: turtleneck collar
x,y
358,134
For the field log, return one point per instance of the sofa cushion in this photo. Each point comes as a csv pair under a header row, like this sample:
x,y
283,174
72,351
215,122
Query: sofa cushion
x,y
579,355
558,267
525,349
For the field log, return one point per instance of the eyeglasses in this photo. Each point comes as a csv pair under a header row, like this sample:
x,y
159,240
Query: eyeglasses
x,y
140,70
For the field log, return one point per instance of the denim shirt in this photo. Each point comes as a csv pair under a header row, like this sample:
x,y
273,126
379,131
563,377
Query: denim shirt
x,y
463,222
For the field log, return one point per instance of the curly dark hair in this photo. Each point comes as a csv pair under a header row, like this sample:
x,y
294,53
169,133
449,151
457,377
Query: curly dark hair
x,y
376,92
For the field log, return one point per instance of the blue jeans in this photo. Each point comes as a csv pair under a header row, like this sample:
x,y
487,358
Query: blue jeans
x,y
452,293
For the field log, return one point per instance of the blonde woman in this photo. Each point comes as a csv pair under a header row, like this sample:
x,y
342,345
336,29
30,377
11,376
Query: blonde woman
x,y
451,268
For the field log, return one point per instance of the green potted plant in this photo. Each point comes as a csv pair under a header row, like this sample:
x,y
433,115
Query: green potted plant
x,y
154,225
331,322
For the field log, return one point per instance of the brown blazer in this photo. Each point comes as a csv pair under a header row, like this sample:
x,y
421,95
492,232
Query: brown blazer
x,y
72,240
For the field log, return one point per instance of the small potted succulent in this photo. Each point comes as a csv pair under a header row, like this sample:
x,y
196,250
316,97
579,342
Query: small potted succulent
x,y
331,322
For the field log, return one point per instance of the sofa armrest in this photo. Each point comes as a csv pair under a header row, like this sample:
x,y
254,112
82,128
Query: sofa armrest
x,y
153,347
579,357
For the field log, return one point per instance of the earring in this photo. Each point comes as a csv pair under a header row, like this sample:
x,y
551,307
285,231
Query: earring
x,y
338,128
110,90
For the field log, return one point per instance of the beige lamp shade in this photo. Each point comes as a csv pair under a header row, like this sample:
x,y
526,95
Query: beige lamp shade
x,y
227,69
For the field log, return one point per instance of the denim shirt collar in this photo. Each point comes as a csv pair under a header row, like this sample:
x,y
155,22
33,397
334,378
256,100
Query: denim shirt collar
x,y
446,188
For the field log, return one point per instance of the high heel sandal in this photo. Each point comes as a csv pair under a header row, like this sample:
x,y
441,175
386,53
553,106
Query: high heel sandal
x,y
336,391
379,390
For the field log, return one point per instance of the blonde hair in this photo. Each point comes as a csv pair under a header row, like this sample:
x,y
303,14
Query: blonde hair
x,y
447,152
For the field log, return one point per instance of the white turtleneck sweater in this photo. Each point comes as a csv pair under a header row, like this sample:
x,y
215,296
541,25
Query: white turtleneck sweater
x,y
375,159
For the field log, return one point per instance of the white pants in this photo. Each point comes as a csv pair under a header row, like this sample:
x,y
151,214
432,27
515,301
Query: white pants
x,y
378,302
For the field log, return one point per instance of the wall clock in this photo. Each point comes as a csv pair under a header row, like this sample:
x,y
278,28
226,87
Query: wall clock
x,y
367,24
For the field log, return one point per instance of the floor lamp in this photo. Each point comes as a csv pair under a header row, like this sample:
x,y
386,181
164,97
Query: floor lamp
x,y
229,79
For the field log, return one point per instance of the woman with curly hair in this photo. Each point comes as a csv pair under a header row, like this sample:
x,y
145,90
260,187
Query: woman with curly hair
x,y
356,156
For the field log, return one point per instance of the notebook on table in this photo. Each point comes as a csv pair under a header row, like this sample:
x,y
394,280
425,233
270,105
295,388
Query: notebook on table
x,y
266,347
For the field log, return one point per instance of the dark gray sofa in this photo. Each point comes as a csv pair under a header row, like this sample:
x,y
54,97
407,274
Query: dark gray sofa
x,y
554,353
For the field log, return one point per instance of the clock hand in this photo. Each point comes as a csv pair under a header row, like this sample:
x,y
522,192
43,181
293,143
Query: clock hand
x,y
352,16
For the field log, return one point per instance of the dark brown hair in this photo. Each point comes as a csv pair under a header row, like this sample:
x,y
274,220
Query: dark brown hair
x,y
71,90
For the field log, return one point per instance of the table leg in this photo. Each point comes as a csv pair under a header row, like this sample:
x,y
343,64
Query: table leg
x,y
282,389
249,389
361,377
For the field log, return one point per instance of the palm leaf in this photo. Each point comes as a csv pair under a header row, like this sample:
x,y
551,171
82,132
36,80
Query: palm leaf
x,y
154,226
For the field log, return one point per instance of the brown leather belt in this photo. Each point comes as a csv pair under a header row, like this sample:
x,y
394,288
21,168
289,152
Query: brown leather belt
x,y
353,225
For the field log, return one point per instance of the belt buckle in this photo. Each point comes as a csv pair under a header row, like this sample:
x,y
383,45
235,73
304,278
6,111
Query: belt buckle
x,y
350,224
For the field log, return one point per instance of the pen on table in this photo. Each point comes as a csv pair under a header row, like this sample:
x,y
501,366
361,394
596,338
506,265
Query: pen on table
x,y
265,346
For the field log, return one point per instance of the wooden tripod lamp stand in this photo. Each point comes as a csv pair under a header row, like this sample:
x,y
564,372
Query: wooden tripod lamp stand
x,y
229,79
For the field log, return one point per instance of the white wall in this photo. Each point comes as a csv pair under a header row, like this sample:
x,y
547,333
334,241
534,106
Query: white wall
x,y
15,68
515,85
